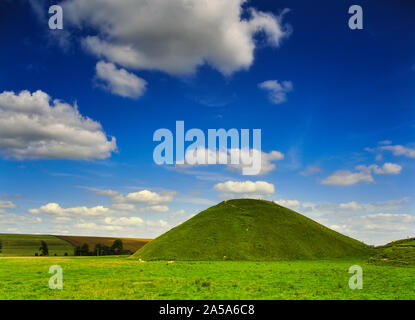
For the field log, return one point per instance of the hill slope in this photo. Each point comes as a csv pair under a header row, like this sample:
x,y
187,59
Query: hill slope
x,y
248,229
29,244
128,243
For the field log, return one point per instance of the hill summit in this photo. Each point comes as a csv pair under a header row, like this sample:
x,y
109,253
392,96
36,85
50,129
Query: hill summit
x,y
246,229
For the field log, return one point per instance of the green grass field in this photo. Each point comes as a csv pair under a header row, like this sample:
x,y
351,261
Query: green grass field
x,y
119,278
29,244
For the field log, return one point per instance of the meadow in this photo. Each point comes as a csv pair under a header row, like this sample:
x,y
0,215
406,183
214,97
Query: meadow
x,y
120,278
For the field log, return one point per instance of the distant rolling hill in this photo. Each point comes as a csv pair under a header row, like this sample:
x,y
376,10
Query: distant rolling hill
x,y
397,253
29,244
131,244
247,229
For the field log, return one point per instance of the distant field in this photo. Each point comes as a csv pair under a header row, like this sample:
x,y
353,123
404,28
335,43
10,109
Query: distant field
x,y
128,243
28,245
119,278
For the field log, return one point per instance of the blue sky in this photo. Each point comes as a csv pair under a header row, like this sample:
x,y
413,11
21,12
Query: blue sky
x,y
344,125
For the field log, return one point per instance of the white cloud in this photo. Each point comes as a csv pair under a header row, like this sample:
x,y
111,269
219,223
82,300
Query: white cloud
x,y
277,92
352,205
248,159
398,150
387,168
251,189
310,170
362,174
348,178
174,36
56,209
288,203
120,81
15,220
159,208
124,221
147,197
7,205
152,201
33,128
267,159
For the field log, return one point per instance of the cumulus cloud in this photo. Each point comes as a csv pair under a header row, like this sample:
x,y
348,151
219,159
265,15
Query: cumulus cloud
x,y
247,189
362,174
119,81
33,127
174,36
277,92
7,205
153,201
288,203
352,205
55,209
266,160
348,178
124,221
246,161
387,168
398,150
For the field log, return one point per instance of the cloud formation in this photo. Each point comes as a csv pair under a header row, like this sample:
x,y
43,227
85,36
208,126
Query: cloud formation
x,y
248,189
277,92
362,174
398,150
174,36
7,205
119,81
248,159
33,127
55,209
152,201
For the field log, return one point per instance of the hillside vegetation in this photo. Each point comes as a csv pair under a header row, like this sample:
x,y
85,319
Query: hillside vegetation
x,y
247,229
396,253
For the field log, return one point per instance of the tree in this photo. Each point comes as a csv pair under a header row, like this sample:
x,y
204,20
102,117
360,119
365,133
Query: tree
x,y
85,250
117,246
98,251
1,246
44,248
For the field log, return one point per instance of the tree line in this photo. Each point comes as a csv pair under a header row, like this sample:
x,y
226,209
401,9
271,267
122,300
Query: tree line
x,y
116,248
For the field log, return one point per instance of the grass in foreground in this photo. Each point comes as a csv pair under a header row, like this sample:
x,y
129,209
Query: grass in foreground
x,y
118,278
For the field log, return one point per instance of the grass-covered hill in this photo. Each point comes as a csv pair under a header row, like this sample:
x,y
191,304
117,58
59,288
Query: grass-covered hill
x,y
248,229
396,253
